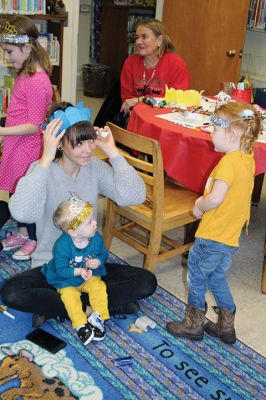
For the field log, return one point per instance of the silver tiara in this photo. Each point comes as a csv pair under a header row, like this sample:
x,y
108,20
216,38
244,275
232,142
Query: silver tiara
x,y
76,204
14,39
247,114
220,121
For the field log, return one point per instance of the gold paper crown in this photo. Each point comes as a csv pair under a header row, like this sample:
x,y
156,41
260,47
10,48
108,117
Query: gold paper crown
x,y
79,210
8,29
9,34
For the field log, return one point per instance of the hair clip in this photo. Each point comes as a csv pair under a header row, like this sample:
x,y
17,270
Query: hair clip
x,y
247,114
220,121
79,210
71,116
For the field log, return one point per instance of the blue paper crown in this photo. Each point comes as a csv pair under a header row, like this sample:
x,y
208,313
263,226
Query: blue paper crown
x,y
71,116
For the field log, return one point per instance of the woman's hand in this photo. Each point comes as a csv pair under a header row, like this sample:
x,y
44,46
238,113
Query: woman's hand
x,y
128,104
50,142
105,141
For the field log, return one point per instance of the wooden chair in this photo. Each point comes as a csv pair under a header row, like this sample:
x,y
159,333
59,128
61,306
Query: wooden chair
x,y
167,205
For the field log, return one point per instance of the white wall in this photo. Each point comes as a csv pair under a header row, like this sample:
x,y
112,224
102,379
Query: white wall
x,y
159,10
70,52
84,33
254,57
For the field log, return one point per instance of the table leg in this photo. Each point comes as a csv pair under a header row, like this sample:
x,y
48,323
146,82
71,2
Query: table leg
x,y
258,183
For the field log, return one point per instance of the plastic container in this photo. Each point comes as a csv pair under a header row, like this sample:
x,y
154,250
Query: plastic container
x,y
95,79
242,95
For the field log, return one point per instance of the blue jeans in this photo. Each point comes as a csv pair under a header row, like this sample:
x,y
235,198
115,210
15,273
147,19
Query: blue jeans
x,y
208,262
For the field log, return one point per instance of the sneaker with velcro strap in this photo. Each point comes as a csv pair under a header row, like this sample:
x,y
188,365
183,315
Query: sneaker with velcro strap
x,y
86,333
98,325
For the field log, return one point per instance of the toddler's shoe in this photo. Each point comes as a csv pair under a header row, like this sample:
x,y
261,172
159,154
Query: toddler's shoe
x,y
24,253
86,333
13,241
97,325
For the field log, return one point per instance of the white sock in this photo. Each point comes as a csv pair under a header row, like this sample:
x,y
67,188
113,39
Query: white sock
x,y
78,328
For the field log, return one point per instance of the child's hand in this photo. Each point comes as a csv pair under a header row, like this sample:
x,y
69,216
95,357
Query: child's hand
x,y
86,274
198,200
93,263
197,212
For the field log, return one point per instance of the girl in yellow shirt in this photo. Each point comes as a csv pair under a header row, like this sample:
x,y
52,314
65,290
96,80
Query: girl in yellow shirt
x,y
223,209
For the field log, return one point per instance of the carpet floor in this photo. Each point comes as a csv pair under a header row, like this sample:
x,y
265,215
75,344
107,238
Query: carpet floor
x,y
163,367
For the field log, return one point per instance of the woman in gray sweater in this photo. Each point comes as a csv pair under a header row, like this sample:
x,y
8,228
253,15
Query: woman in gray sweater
x,y
67,165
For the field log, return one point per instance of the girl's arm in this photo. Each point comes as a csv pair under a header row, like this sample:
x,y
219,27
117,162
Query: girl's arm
x,y
19,130
213,199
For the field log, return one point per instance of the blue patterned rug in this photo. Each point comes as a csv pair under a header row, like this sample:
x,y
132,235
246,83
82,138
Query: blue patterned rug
x,y
163,367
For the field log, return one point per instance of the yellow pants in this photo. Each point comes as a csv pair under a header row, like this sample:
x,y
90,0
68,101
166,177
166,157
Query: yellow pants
x,y
96,290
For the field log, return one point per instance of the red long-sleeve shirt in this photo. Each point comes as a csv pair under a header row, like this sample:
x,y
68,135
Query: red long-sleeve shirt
x,y
136,80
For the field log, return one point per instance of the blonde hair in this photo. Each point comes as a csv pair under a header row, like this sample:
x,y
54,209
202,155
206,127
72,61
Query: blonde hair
x,y
62,216
25,26
65,220
244,117
158,29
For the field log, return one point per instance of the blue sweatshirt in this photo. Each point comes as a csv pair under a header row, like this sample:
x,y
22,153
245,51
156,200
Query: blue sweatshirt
x,y
59,271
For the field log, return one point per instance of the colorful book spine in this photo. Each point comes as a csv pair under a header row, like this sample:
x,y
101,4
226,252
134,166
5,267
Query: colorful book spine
x,y
22,6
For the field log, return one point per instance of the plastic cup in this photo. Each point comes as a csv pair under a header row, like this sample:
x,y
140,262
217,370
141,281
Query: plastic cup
x,y
242,95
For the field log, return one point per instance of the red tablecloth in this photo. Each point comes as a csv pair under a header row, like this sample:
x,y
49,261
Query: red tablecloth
x,y
188,155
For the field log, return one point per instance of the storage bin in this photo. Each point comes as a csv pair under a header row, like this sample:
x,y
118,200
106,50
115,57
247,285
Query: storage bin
x,y
260,97
95,79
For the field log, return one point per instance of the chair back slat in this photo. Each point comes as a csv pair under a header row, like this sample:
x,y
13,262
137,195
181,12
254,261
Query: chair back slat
x,y
133,141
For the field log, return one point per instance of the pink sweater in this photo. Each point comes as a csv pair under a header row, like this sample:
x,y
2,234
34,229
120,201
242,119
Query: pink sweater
x,y
30,99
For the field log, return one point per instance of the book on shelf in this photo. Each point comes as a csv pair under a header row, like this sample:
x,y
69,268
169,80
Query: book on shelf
x,y
5,96
23,6
9,82
257,15
50,43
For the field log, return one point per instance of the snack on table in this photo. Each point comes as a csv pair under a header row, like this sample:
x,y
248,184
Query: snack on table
x,y
187,97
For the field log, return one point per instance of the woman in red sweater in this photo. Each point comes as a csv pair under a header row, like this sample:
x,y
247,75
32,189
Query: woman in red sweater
x,y
154,65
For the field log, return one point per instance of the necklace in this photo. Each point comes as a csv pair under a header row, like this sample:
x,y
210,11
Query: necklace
x,y
146,83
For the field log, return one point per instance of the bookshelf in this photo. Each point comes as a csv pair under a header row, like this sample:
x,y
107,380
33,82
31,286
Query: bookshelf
x,y
54,25
257,16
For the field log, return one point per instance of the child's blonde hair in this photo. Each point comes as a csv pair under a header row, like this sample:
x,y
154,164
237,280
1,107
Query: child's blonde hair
x,y
244,117
25,26
65,218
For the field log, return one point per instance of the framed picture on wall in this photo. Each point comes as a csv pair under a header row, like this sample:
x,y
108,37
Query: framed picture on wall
x,y
85,8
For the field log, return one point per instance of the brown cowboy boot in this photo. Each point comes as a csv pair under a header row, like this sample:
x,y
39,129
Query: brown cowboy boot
x,y
192,326
224,328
